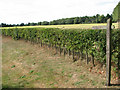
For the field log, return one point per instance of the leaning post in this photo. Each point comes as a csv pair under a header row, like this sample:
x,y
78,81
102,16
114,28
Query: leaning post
x,y
108,52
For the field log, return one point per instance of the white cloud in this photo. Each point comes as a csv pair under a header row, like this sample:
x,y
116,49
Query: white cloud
x,y
17,11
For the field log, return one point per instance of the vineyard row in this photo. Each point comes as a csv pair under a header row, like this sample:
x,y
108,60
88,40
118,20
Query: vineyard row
x,y
89,42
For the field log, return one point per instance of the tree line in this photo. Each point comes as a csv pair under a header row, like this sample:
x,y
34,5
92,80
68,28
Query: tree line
x,y
74,20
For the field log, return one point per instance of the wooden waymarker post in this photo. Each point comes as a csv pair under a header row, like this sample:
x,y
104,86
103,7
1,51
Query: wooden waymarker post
x,y
108,52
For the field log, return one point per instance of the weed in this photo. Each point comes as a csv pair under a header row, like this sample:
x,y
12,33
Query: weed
x,y
82,76
23,76
34,63
77,83
103,83
94,83
31,71
63,71
70,75
12,66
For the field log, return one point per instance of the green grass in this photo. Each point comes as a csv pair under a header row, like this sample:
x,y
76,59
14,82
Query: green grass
x,y
70,26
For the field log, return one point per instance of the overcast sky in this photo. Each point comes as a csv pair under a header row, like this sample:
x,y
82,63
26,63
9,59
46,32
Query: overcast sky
x,y
18,11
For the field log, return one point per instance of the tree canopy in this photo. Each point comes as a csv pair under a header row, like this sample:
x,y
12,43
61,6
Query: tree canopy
x,y
116,12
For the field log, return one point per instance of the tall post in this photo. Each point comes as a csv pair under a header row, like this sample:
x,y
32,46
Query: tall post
x,y
1,58
108,52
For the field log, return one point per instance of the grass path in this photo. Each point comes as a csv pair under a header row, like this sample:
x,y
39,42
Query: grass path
x,y
30,66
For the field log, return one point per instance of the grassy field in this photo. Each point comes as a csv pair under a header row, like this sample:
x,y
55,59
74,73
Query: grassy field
x,y
40,67
70,26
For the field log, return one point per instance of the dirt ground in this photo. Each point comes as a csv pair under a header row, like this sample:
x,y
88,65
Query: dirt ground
x,y
25,65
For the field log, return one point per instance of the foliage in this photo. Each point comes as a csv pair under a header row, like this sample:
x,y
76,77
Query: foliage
x,y
45,23
92,41
116,12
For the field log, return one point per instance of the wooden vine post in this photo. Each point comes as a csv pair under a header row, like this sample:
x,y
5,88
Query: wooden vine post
x,y
108,52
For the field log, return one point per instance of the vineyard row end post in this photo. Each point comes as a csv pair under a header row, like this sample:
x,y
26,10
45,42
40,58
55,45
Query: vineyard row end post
x,y
108,52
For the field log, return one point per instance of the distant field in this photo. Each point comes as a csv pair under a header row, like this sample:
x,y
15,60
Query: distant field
x,y
71,26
